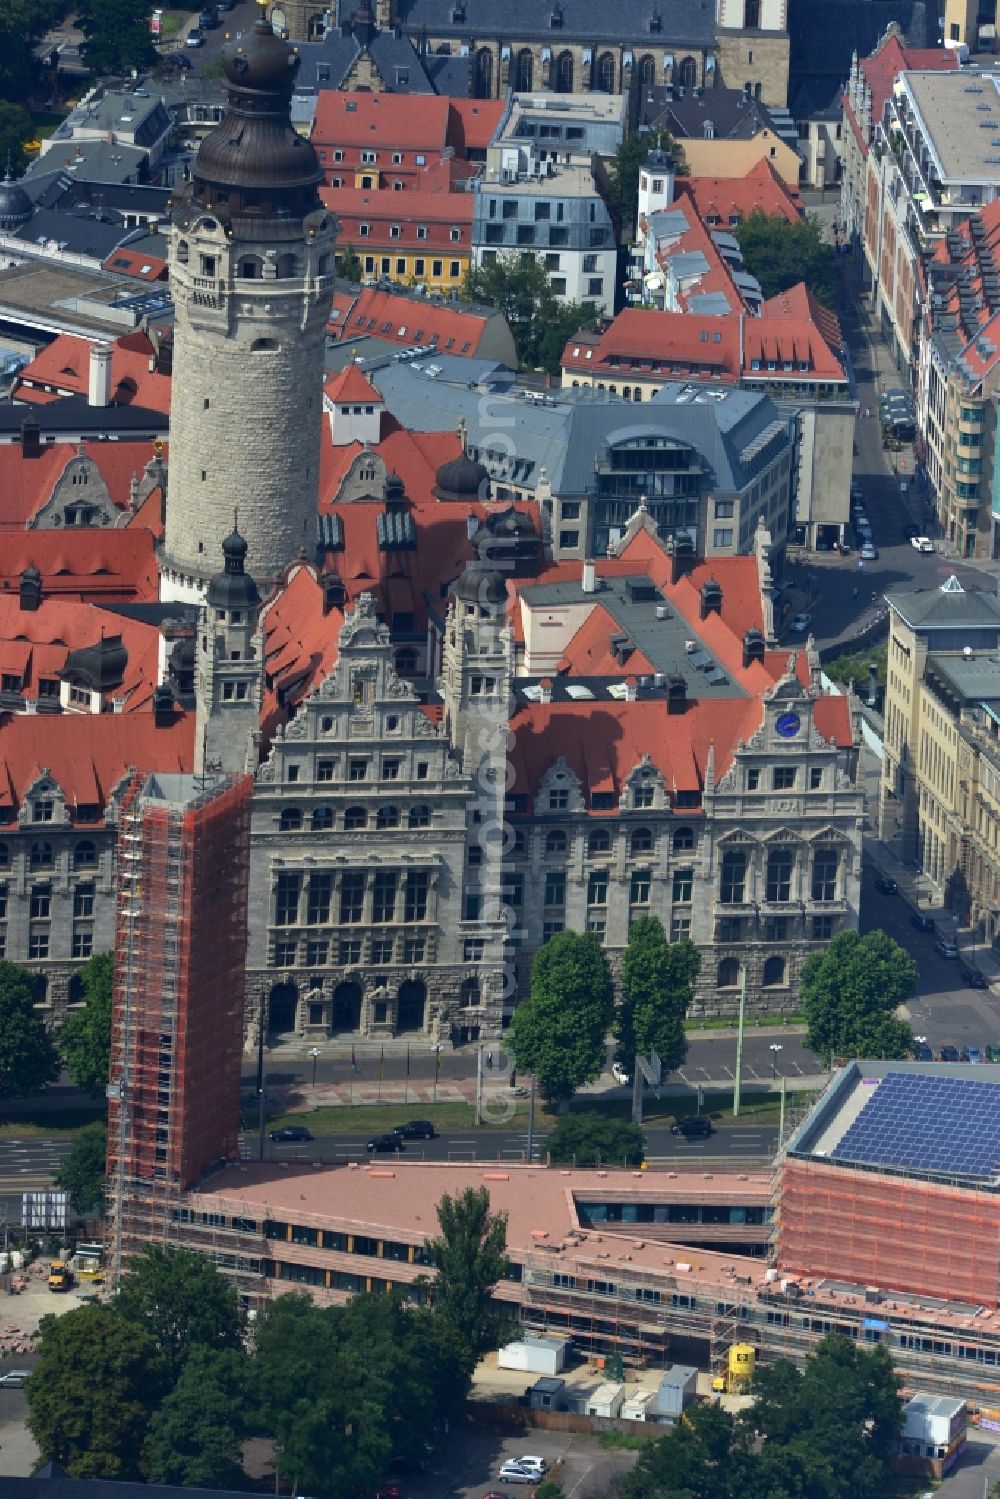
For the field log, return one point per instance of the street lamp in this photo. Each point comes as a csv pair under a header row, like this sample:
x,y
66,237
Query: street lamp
x,y
775,1047
315,1053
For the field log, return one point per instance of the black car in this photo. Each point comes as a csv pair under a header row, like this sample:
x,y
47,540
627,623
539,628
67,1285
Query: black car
x,y
382,1143
972,978
887,886
921,1052
695,1128
948,1054
416,1129
209,18
921,922
291,1132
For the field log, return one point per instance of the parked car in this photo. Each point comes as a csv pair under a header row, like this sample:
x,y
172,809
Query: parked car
x,y
801,623
526,1460
697,1127
209,18
514,1473
993,1053
15,1379
921,543
416,1129
194,38
922,922
869,552
620,1074
290,1132
971,1054
381,1143
921,1052
946,947
972,978
887,886
949,1054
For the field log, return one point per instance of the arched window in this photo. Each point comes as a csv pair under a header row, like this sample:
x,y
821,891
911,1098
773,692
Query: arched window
x,y
688,75
41,855
647,71
355,818
287,267
683,840
484,73
774,973
728,974
599,842
388,817
524,71
251,268
606,73
751,15
322,819
290,820
317,27
555,842
406,662
564,73
641,842
265,346
420,817
85,854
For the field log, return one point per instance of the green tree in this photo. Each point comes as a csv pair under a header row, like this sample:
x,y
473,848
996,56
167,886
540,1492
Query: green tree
x,y
15,129
520,288
28,1057
349,264
83,1173
589,1138
180,1298
702,1457
849,994
117,35
556,324
559,1032
94,1388
470,1256
657,988
23,24
623,179
195,1437
781,254
85,1042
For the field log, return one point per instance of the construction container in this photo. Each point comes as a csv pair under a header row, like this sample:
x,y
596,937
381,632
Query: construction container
x,y
546,1394
606,1400
639,1405
677,1389
535,1355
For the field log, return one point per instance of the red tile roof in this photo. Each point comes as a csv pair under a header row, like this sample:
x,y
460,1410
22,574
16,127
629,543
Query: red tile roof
x,y
126,262
882,69
725,198
300,645
381,121
696,237
351,387
408,320
26,484
476,120
90,564
34,645
382,210
414,456
92,756
64,365
654,342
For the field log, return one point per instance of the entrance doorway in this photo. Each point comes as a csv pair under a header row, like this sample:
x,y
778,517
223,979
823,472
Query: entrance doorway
x,y
281,1009
410,1006
347,1007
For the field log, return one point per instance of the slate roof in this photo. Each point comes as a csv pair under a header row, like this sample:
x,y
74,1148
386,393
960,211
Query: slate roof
x,y
949,607
691,22
326,64
823,35
75,414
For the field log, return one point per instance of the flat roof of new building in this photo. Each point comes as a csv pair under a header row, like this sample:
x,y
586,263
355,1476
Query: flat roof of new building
x,y
932,1120
956,108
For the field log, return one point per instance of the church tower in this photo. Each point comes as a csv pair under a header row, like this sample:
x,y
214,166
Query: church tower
x,y
251,272
229,667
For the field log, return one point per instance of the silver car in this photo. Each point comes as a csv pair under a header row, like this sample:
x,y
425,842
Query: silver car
x,y
514,1473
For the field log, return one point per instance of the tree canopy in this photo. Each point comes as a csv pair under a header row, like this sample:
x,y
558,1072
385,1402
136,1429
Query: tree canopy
x,y
85,1041
83,1173
470,1256
195,1438
559,1031
657,988
118,36
849,994
590,1138
23,24
623,179
519,287
781,254
28,1057
181,1300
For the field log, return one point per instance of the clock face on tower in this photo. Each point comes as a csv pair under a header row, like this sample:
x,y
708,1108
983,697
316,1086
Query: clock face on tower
x,y
788,725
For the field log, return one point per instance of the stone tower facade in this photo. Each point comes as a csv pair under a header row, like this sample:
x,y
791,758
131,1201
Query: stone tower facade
x,y
251,271
229,667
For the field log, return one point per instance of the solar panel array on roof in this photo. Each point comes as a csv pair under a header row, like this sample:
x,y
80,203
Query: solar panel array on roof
x,y
941,1124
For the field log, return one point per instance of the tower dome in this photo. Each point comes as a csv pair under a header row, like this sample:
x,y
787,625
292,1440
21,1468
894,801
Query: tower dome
x,y
16,207
233,588
481,584
462,478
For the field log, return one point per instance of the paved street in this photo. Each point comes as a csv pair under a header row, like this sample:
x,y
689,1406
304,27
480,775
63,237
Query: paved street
x,y
978,1471
30,1163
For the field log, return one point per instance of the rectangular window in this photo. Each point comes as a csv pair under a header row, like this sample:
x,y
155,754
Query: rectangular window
x,y
733,879
319,899
778,886
38,944
816,778
826,862
413,949
680,926
753,780
473,949
286,899
776,929
639,887
552,928
400,265
317,949
722,537
324,770
352,896
683,885
597,925
350,951
569,539
723,509
437,268
454,268
597,888
555,888
390,769
83,941
595,286
783,777
558,799
41,811
415,896
83,901
384,903
285,954
41,900
381,950
822,928
357,770
512,889
589,264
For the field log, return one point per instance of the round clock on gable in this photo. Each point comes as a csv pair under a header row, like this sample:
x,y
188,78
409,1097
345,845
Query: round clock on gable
x,y
788,725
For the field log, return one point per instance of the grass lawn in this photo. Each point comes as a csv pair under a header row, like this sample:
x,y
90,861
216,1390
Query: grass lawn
x,y
728,1022
56,1126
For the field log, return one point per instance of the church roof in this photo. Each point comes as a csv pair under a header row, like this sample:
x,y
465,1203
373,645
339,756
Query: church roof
x,y
351,388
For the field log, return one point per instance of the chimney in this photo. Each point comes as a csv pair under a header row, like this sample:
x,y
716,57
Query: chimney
x,y
163,707
711,598
589,577
631,689
682,557
99,392
31,442
753,647
30,592
545,687
334,592
676,694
